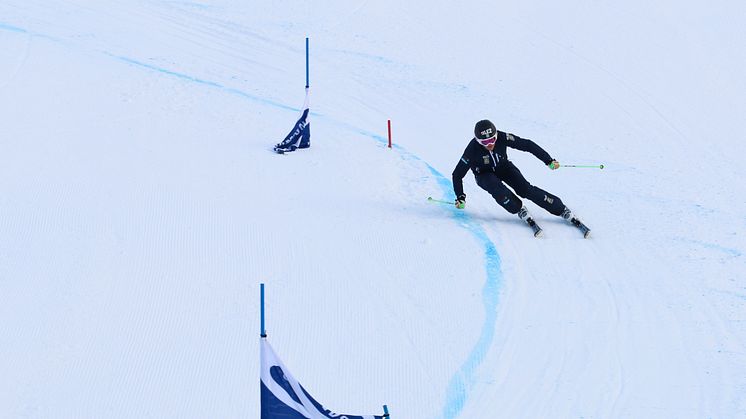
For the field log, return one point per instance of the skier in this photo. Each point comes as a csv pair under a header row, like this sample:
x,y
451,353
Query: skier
x,y
486,156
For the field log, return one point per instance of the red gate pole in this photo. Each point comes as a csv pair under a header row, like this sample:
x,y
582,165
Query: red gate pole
x,y
389,133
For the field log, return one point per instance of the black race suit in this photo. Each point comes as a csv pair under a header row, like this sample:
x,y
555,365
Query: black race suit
x,y
492,170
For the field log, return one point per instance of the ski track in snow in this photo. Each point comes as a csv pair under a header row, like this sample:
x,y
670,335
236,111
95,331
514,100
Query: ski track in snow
x,y
463,380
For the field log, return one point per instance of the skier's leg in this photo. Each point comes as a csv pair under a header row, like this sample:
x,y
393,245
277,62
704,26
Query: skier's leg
x,y
502,195
507,199
513,177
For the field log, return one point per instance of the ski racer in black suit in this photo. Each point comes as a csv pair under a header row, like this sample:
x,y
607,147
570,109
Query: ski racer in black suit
x,y
486,156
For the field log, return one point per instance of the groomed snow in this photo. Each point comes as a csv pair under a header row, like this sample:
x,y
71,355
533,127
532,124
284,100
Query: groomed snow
x,y
141,207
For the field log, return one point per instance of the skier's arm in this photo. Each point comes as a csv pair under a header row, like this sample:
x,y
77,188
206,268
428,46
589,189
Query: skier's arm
x,y
525,144
458,176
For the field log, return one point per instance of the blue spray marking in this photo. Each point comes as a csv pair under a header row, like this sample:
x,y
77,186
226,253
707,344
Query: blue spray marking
x,y
734,253
10,28
730,294
462,381
192,79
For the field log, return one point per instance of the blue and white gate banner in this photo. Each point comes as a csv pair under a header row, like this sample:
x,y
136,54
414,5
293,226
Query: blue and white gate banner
x,y
300,135
282,397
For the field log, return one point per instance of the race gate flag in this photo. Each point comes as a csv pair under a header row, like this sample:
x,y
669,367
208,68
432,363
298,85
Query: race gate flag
x,y
282,397
300,135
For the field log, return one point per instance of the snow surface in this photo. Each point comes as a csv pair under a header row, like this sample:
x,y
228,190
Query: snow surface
x,y
141,207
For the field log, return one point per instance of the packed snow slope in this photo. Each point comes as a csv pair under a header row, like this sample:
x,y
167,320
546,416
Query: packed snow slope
x,y
141,207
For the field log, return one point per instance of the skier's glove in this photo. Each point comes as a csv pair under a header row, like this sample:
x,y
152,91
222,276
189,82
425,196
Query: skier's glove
x,y
554,165
461,201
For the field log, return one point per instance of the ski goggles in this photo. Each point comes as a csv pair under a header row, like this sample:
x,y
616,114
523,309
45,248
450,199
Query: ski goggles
x,y
488,141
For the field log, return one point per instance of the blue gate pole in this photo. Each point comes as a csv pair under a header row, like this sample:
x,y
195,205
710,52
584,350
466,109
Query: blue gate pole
x,y
264,332
306,63
386,411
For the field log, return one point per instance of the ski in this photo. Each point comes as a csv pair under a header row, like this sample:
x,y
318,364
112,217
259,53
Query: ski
x,y
582,227
538,232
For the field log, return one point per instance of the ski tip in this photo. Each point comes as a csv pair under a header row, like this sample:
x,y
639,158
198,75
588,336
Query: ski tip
x,y
539,233
587,235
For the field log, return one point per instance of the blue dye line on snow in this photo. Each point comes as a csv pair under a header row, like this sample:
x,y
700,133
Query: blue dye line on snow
x,y
462,381
10,28
711,246
6,27
204,82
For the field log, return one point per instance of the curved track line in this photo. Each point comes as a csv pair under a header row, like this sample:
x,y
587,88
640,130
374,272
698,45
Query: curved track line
x,y
11,28
203,82
463,380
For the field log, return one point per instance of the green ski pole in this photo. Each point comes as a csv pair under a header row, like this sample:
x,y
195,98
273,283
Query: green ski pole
x,y
439,201
600,166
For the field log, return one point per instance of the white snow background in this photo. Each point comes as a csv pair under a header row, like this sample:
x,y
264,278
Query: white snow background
x,y
141,207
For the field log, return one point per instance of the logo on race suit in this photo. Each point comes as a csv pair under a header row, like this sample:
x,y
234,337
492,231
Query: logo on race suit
x,y
486,159
487,133
510,137
548,199
301,127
